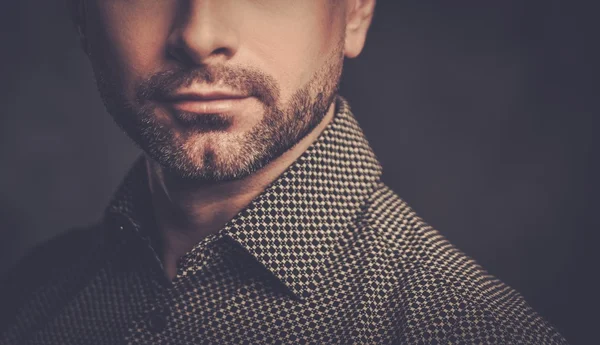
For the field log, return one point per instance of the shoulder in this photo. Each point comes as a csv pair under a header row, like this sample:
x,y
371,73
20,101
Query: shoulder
x,y
54,254
46,264
439,284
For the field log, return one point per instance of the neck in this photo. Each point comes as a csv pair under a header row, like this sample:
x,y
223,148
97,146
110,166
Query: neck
x,y
185,214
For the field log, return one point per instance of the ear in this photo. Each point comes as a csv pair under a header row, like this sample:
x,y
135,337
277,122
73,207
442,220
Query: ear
x,y
359,15
77,12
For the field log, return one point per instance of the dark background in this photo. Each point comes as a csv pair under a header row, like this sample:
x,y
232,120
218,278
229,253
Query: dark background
x,y
482,113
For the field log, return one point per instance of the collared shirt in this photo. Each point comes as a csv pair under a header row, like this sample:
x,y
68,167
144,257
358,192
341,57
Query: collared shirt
x,y
327,254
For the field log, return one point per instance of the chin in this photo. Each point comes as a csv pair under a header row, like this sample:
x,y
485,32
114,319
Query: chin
x,y
209,157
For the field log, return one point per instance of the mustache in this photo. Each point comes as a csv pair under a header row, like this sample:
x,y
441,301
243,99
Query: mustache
x,y
249,81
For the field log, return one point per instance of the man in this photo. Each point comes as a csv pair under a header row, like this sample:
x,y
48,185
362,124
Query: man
x,y
256,213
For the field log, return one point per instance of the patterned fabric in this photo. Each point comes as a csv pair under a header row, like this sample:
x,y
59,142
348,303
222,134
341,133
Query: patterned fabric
x,y
327,254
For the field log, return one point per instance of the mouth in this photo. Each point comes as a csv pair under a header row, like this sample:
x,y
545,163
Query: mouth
x,y
208,102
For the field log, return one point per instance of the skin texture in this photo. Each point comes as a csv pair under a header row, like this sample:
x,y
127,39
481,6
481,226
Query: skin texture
x,y
284,57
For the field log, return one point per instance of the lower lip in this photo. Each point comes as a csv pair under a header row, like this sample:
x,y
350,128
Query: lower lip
x,y
215,106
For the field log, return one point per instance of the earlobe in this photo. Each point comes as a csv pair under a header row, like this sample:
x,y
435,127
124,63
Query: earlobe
x,y
358,21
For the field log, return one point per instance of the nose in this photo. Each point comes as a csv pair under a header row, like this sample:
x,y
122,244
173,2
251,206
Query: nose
x,y
204,32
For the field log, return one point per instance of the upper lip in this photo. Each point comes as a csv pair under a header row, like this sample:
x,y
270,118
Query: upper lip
x,y
203,96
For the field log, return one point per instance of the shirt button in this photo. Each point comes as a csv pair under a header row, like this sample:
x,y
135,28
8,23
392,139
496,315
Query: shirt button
x,y
157,321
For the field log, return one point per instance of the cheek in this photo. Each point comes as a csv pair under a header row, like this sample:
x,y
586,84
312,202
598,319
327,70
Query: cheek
x,y
291,45
131,38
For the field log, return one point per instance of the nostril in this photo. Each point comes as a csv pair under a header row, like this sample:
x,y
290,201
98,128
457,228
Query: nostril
x,y
222,51
188,56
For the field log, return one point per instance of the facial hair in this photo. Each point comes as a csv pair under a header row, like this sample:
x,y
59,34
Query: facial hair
x,y
235,155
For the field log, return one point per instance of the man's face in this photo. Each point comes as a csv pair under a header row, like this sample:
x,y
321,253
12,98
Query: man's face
x,y
273,67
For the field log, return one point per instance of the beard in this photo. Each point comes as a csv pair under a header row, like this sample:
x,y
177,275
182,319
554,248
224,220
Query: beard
x,y
199,148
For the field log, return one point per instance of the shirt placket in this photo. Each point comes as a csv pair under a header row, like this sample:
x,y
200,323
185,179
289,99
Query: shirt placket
x,y
157,324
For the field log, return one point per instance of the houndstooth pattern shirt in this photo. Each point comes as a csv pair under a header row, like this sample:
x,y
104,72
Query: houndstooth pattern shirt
x,y
327,254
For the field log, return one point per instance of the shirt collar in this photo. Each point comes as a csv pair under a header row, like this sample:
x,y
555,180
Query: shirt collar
x,y
306,218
